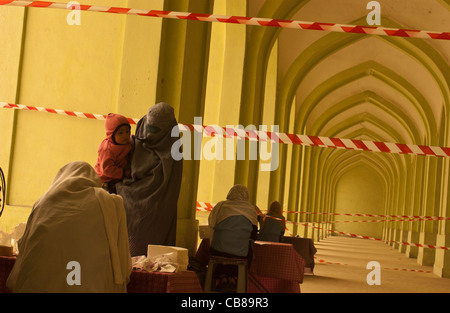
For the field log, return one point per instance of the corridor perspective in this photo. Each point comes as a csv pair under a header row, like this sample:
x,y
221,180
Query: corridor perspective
x,y
353,122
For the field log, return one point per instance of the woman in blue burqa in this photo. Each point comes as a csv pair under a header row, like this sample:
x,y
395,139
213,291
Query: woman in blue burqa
x,y
150,196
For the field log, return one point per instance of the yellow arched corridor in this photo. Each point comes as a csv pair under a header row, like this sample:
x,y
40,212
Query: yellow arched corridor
x,y
316,83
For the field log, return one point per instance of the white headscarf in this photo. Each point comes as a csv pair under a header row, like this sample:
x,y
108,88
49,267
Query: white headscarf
x,y
236,204
75,220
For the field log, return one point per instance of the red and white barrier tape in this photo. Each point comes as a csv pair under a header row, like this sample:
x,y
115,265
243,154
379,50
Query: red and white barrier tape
x,y
390,241
304,140
327,262
254,21
386,268
275,137
378,239
373,215
408,270
205,206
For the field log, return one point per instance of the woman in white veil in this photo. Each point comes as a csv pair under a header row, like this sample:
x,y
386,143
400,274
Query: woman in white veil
x,y
75,239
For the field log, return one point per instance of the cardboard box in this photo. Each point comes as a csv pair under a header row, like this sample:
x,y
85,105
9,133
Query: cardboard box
x,y
177,255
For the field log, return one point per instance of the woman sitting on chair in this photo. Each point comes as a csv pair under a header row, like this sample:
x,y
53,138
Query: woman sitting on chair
x,y
273,224
233,227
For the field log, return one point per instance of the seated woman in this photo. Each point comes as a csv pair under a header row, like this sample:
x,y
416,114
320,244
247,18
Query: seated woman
x,y
233,227
273,224
75,239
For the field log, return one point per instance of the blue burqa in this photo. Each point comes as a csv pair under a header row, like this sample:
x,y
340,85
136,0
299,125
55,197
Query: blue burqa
x,y
150,196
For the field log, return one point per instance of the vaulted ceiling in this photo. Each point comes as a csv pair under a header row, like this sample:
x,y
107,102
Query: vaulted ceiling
x,y
377,88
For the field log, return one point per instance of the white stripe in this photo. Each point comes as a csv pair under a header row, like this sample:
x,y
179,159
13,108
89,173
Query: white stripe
x,y
393,147
284,138
327,142
174,14
79,114
98,8
438,151
240,133
98,116
20,3
138,11
415,149
305,139
371,146
349,144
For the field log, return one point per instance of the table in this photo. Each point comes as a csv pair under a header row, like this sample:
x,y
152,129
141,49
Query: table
x,y
157,282
305,247
140,281
276,267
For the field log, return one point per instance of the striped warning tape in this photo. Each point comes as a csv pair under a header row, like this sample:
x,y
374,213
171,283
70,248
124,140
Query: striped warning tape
x,y
377,221
373,215
390,241
275,137
311,224
207,207
408,270
386,268
327,262
254,21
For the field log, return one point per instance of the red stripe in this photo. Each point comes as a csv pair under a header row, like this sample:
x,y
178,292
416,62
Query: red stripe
x,y
118,10
314,26
193,16
84,7
446,150
404,148
445,36
397,32
316,140
427,150
273,22
295,139
234,19
337,142
273,137
40,4
360,145
356,29
382,146
155,13
89,115
2,2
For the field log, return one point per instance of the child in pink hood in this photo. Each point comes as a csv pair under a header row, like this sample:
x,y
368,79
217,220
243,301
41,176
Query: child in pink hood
x,y
114,151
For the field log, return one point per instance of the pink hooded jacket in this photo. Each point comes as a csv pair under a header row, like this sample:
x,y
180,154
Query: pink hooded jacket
x,y
112,158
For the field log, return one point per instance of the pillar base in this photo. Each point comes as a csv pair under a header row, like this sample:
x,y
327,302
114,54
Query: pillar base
x,y
442,259
412,251
426,256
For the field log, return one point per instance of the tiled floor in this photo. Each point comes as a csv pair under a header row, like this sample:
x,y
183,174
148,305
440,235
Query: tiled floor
x,y
346,269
